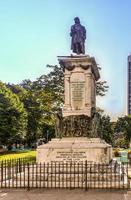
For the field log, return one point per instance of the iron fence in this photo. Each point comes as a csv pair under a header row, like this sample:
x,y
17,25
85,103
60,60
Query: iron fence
x,y
71,175
17,161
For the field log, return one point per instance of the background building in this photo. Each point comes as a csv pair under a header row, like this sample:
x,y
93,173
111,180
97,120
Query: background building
x,y
129,86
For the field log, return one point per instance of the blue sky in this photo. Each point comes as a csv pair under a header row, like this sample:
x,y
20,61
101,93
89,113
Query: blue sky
x,y
34,32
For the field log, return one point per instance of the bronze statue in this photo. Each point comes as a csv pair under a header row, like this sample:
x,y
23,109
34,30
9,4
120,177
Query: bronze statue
x,y
78,34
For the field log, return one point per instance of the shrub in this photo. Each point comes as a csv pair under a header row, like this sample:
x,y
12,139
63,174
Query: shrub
x,y
116,153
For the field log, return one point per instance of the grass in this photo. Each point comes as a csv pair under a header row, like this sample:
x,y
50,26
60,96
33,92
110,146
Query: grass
x,y
17,155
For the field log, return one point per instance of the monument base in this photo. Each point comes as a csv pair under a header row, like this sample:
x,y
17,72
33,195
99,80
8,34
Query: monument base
x,y
75,149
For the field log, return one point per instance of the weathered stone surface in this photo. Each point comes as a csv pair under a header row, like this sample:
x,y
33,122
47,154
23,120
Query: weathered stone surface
x,y
75,149
73,126
81,74
76,125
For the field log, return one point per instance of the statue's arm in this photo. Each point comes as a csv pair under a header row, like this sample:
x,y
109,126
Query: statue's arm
x,y
72,31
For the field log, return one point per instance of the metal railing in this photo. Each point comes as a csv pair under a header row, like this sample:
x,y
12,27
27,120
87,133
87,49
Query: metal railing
x,y
71,175
16,161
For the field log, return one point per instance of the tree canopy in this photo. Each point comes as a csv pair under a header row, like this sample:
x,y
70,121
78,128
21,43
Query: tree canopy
x,y
13,116
27,110
122,131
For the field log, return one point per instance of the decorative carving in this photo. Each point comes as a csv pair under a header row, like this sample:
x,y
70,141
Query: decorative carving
x,y
78,125
70,67
74,126
85,67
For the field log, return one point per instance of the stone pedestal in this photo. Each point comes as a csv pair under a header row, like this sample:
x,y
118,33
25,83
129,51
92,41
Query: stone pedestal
x,y
81,74
75,123
77,149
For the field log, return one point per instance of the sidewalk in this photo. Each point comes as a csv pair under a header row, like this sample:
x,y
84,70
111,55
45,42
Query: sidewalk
x,y
64,195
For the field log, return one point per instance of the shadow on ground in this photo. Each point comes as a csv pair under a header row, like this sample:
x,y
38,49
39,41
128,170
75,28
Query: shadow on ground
x,y
51,194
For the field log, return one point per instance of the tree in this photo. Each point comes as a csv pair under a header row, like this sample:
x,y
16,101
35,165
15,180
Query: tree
x,y
38,103
13,117
42,98
101,88
102,126
123,131
38,106
106,129
54,83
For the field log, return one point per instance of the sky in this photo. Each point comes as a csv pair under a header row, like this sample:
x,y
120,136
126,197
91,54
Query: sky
x,y
34,32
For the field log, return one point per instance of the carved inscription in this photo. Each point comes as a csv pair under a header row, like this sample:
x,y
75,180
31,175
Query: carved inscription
x,y
71,156
77,94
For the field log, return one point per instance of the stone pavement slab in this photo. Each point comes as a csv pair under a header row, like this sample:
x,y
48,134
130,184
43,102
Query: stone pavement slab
x,y
64,195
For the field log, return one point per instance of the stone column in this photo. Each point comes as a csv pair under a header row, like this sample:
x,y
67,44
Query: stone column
x,y
88,92
93,91
67,90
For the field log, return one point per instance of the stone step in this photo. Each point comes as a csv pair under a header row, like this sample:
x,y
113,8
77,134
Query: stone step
x,y
67,184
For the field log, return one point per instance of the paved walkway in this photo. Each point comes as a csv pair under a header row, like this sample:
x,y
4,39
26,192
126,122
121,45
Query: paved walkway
x,y
64,195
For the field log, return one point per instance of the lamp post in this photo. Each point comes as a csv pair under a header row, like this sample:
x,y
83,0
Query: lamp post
x,y
47,135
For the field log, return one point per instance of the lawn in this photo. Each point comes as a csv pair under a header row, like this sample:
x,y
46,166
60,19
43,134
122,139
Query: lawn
x,y
17,155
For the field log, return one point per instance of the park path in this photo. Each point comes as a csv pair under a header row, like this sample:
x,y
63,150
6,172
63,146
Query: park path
x,y
64,195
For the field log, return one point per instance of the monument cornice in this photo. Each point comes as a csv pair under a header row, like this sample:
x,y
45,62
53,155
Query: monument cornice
x,y
84,61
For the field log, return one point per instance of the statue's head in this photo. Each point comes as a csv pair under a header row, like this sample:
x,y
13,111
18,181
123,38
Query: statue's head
x,y
77,20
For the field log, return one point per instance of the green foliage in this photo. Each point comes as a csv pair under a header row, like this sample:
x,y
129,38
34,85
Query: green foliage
x,y
105,128
32,106
123,131
12,116
121,142
102,126
107,131
11,155
39,104
116,153
53,82
101,88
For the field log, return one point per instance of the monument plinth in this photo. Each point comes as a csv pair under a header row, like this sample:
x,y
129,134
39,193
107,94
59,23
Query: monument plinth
x,y
81,74
75,149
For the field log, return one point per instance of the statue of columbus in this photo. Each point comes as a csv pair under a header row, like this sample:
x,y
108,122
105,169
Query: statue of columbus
x,y
78,34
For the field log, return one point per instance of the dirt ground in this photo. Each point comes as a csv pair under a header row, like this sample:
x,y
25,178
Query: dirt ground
x,y
64,195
